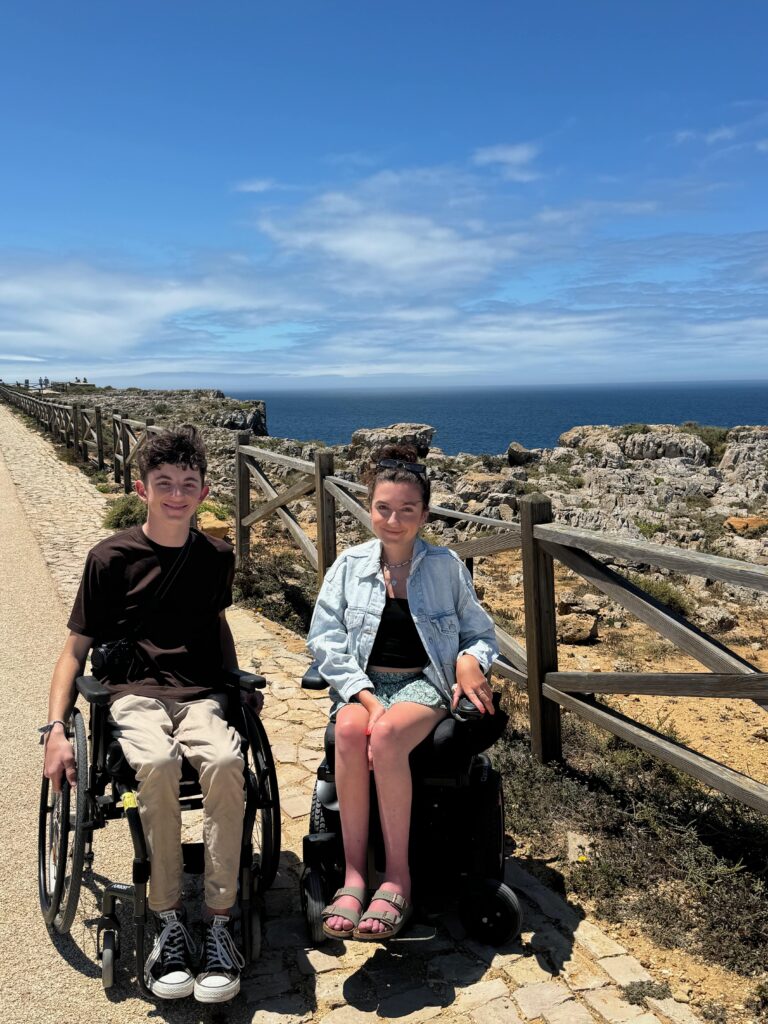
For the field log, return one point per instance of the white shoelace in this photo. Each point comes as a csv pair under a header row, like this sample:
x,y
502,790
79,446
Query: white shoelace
x,y
220,948
169,943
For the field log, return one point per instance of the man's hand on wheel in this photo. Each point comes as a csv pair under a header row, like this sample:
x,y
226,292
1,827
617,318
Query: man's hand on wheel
x,y
59,760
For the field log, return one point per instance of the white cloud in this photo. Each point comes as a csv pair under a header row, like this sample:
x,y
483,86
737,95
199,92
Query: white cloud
x,y
394,276
257,185
513,160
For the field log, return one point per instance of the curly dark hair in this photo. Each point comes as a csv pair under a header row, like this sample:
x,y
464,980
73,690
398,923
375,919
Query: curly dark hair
x,y
182,446
405,453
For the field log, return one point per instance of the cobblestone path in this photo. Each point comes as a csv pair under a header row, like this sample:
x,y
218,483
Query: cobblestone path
x,y
564,970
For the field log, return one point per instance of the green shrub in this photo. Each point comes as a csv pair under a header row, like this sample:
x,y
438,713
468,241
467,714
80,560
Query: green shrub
x,y
689,865
634,428
129,510
696,502
279,586
214,508
649,529
663,592
714,437
636,992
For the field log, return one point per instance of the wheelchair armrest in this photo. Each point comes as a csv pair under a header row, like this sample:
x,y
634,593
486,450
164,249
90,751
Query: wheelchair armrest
x,y
312,680
92,690
247,681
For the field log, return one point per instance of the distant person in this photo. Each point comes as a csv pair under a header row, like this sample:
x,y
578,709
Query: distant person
x,y
167,702
399,635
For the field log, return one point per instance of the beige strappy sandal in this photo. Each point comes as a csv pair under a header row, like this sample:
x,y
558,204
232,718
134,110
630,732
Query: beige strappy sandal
x,y
395,922
333,910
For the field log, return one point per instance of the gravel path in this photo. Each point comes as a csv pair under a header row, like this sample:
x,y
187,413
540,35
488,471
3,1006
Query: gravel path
x,y
564,971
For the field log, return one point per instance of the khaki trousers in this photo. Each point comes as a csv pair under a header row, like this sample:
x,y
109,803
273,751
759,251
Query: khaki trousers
x,y
154,733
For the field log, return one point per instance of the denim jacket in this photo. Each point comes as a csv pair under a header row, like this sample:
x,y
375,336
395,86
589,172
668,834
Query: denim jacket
x,y
448,616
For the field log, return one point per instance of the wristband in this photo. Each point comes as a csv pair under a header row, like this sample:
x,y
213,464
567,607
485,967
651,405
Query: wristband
x,y
45,729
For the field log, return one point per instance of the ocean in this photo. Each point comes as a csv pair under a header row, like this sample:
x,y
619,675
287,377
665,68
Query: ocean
x,y
486,419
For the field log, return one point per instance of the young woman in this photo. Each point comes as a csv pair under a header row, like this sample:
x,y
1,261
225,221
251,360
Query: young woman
x,y
399,635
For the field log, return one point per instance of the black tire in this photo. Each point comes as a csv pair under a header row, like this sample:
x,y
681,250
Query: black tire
x,y
62,836
321,822
491,913
108,956
318,817
266,830
314,899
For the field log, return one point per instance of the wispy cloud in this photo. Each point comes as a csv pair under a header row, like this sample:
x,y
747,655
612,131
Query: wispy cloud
x,y
408,271
257,185
513,161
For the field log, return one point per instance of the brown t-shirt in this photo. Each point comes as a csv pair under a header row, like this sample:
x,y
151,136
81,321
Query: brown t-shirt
x,y
179,642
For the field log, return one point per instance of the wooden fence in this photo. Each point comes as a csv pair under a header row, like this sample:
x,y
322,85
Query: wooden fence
x,y
535,666
82,430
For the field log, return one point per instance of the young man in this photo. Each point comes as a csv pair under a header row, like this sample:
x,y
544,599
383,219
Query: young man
x,y
167,703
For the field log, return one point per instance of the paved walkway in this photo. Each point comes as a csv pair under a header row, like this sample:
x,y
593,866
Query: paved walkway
x,y
563,971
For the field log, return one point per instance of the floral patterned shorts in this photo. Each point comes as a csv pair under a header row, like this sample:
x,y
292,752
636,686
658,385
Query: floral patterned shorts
x,y
396,687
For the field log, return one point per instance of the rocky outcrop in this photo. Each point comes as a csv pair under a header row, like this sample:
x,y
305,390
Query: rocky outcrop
x,y
366,440
517,455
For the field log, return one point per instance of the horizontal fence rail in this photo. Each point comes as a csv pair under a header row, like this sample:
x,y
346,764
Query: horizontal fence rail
x,y
730,675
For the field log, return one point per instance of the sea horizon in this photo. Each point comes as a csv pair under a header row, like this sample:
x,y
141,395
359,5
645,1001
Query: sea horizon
x,y
486,418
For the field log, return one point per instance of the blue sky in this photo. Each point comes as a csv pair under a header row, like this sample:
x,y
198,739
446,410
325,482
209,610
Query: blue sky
x,y
345,193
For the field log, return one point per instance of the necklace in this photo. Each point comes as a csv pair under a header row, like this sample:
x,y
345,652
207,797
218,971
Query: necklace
x,y
389,566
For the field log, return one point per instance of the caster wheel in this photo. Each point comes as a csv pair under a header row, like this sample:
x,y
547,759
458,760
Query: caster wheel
x,y
108,956
314,899
491,912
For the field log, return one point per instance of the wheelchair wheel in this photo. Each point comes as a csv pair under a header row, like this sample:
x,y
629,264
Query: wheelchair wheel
x,y
256,935
314,898
490,912
108,956
62,837
318,816
266,831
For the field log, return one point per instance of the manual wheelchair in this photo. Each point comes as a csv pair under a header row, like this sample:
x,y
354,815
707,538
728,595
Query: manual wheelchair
x,y
457,828
106,789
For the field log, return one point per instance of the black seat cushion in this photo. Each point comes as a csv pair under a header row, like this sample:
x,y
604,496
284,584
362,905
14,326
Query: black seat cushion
x,y
449,747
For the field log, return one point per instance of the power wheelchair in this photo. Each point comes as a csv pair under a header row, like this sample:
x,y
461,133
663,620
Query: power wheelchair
x,y
106,789
457,828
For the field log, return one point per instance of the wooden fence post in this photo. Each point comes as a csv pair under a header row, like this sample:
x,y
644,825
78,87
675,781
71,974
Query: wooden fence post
x,y
76,431
116,445
125,445
99,426
325,505
540,629
242,500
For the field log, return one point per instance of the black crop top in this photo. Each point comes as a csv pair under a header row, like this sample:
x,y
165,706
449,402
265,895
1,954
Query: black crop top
x,y
397,643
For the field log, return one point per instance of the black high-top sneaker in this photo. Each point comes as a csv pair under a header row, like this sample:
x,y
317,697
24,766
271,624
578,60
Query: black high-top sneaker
x,y
219,979
168,970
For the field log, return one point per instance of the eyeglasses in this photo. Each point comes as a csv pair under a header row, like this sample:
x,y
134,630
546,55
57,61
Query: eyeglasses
x,y
411,467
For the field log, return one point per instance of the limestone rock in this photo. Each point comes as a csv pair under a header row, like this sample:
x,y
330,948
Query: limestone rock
x,y
576,628
208,523
254,420
364,441
518,455
671,444
716,620
745,524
